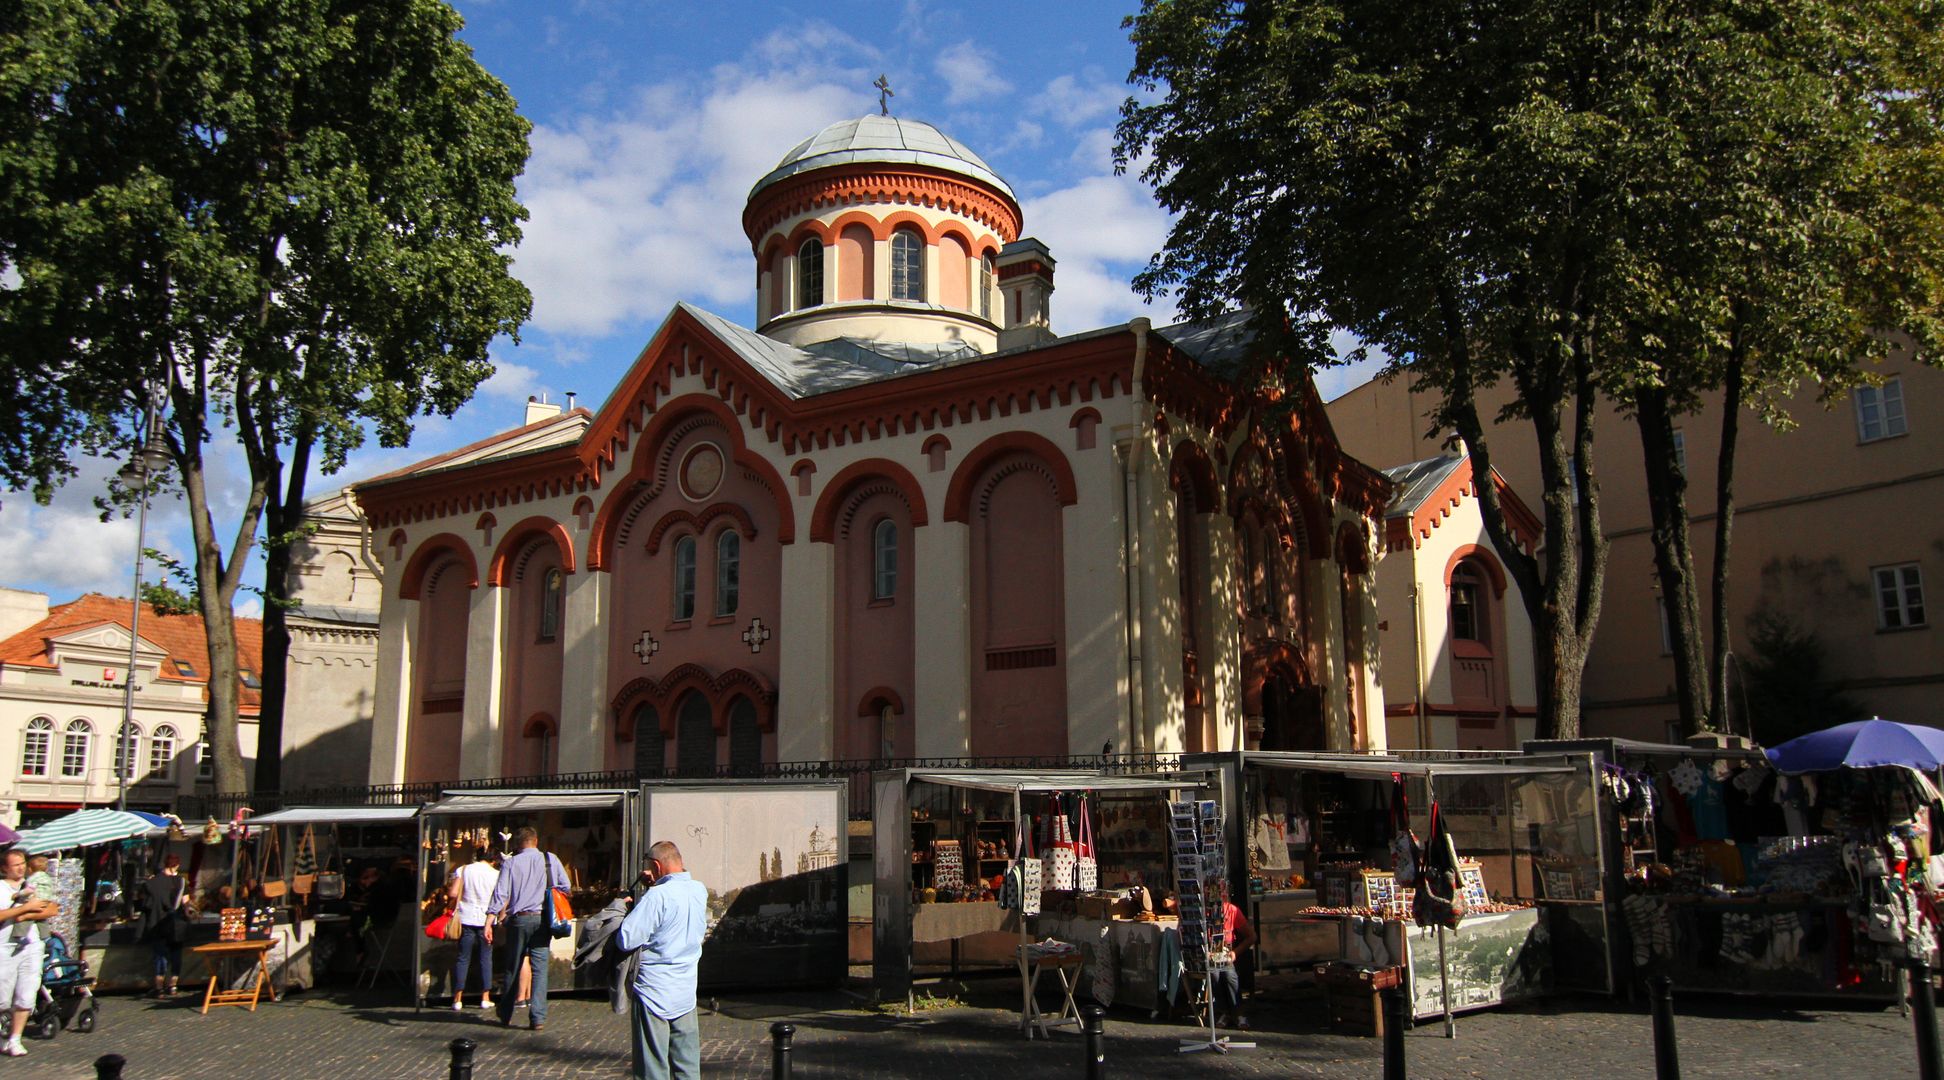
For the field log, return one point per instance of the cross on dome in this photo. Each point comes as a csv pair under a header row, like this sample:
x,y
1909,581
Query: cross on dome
x,y
885,94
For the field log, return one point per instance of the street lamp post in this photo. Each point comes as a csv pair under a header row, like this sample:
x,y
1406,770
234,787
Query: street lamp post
x,y
138,474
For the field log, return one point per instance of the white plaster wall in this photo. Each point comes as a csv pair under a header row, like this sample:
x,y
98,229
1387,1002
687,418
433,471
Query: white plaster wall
x,y
481,744
397,633
584,658
1096,600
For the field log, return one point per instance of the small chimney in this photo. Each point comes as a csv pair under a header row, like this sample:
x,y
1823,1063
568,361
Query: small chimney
x,y
1025,270
570,400
537,409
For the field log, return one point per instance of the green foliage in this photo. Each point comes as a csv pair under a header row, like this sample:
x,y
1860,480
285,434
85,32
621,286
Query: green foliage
x,y
168,601
1789,689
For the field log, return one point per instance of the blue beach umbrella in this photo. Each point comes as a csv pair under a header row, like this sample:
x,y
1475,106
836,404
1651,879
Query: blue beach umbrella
x,y
83,828
1863,744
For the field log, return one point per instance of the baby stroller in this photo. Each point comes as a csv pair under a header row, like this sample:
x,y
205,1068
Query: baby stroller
x,y
66,994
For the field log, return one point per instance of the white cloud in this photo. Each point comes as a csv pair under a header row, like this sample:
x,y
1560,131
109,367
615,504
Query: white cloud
x,y
1101,230
65,549
1072,103
640,207
511,382
969,74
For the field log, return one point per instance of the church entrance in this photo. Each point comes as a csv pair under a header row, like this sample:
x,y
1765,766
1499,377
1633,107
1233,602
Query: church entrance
x,y
1292,715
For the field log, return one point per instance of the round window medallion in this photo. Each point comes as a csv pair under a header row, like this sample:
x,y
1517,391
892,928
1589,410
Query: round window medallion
x,y
702,472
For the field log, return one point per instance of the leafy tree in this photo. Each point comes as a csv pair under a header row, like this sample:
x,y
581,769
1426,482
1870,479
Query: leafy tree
x,y
1793,213
291,215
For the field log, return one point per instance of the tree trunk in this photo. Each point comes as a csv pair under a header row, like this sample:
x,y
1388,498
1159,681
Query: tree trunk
x,y
1731,404
283,522
1674,557
219,629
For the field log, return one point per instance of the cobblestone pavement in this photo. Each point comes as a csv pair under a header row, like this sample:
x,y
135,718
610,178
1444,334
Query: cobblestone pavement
x,y
342,1036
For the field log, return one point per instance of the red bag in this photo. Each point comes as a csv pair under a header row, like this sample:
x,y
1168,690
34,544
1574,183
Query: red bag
x,y
437,927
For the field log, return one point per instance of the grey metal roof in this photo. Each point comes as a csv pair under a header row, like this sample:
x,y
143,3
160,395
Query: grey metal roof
x,y
1416,481
882,139
1220,343
827,366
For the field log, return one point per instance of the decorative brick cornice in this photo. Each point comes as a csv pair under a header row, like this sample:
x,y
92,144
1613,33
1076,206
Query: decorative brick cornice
x,y
879,184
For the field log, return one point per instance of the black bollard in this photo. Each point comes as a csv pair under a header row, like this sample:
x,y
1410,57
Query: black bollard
x,y
1924,1012
109,1067
1397,1020
462,1059
1093,1020
780,1036
1667,1058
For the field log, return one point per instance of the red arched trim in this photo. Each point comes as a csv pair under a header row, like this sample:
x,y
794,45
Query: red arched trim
x,y
1484,558
897,219
877,695
427,555
601,544
803,470
936,442
498,571
1190,468
1266,659
700,522
958,495
824,518
958,229
486,521
1351,552
804,231
540,724
720,691
396,541
1084,415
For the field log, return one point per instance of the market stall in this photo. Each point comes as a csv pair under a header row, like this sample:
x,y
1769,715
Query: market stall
x,y
945,840
773,854
1727,876
337,877
1328,882
593,833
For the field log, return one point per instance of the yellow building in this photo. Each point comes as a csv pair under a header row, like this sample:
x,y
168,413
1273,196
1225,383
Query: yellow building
x,y
1839,526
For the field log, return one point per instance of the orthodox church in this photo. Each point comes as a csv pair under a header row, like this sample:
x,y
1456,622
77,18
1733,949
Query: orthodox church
x,y
899,518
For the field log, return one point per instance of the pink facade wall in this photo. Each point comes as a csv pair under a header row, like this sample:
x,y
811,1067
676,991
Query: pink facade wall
x,y
643,587
439,675
954,283
530,684
874,636
854,254
1018,614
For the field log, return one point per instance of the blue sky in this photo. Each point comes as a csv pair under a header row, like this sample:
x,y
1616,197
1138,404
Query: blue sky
x,y
651,121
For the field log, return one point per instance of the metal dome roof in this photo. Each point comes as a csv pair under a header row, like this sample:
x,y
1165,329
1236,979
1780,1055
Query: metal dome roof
x,y
882,139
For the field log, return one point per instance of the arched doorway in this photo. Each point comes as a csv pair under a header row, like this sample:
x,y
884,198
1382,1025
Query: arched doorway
x,y
1292,715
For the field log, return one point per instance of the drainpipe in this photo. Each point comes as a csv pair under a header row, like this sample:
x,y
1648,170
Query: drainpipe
x,y
1417,662
1131,508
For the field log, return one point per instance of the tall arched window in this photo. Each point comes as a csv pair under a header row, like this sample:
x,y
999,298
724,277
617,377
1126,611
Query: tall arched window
x,y
161,755
648,741
810,273
77,740
550,605
728,589
1475,678
128,747
985,287
684,604
36,748
884,560
1271,580
1467,611
695,737
907,265
745,739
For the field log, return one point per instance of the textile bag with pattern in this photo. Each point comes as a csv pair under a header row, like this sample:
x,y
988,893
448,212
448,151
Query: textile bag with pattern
x,y
1086,873
1020,891
303,869
330,883
1061,863
270,875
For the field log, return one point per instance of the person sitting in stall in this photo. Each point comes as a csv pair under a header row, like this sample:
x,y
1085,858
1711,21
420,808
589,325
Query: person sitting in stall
x,y
1224,982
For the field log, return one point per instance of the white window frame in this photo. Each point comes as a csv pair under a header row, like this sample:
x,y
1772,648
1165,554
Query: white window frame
x,y
1899,591
985,287
682,598
37,748
128,748
205,757
884,560
161,752
77,732
1880,411
907,273
809,284
728,584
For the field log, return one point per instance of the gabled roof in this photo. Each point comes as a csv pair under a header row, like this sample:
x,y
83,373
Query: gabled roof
x,y
1428,490
180,637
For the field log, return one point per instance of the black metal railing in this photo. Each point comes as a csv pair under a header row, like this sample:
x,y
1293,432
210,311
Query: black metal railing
x,y
855,772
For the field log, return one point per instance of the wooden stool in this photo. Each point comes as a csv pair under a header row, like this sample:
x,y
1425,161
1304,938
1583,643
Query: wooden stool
x,y
1065,966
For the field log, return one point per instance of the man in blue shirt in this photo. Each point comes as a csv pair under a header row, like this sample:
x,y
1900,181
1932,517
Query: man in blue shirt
x,y
666,926
522,906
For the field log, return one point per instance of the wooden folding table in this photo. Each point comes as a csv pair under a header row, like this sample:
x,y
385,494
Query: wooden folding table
x,y
216,953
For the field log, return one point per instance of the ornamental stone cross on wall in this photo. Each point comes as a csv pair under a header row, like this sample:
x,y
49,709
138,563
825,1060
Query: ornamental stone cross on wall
x,y
756,635
647,647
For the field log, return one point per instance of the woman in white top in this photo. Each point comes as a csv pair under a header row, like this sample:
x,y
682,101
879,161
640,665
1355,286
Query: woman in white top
x,y
470,889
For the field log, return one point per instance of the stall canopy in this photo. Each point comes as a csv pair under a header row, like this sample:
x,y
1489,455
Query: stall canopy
x,y
337,815
1365,766
88,827
1050,782
521,802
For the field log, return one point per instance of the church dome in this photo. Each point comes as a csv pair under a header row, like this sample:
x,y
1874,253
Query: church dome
x,y
882,140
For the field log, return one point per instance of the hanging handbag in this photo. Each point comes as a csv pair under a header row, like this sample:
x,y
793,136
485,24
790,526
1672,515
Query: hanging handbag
x,y
330,883
436,929
304,867
270,873
1061,861
562,923
1086,874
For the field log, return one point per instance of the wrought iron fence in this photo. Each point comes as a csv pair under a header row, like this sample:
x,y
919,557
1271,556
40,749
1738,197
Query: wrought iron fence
x,y
856,773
